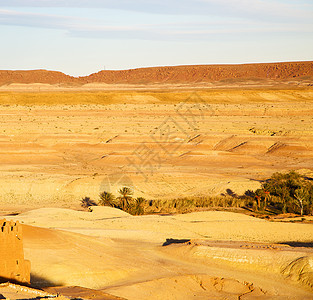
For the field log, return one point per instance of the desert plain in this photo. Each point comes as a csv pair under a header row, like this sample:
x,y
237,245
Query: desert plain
x,y
60,144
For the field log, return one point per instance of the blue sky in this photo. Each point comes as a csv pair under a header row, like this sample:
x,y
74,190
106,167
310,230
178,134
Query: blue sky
x,y
84,36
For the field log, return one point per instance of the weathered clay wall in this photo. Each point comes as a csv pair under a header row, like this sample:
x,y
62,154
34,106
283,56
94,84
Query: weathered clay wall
x,y
12,263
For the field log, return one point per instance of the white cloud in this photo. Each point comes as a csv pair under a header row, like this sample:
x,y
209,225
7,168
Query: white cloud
x,y
189,30
251,9
17,18
183,34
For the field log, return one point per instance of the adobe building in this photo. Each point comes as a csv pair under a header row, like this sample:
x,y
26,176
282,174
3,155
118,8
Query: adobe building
x,y
13,266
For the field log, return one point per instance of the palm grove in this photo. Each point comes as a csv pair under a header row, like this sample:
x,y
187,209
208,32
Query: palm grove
x,y
282,193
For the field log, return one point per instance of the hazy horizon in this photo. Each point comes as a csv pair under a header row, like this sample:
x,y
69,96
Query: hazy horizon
x,y
83,37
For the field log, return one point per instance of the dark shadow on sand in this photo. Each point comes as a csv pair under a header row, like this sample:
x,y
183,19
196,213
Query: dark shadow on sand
x,y
175,241
38,282
299,244
5,280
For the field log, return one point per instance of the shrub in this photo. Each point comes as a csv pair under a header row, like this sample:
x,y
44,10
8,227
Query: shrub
x,y
86,202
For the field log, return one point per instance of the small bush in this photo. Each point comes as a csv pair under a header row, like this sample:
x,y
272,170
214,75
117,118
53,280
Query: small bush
x,y
86,202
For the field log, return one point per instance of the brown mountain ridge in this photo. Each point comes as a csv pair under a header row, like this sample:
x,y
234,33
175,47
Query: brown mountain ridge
x,y
169,74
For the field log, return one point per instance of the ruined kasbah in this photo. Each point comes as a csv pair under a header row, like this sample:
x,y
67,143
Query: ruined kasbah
x,y
13,266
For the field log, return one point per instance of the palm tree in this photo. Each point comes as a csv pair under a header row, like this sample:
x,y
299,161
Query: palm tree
x,y
107,199
266,198
139,206
125,197
258,198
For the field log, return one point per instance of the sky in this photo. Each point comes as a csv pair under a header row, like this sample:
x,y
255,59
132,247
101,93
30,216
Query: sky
x,y
85,36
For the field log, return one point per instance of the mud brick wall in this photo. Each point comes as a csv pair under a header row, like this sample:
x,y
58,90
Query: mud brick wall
x,y
13,266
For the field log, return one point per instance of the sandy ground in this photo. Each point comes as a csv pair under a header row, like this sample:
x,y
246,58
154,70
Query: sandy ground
x,y
59,147
197,255
293,83
13,291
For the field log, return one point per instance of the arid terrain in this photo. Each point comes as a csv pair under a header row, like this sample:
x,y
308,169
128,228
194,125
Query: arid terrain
x,y
65,138
59,147
201,255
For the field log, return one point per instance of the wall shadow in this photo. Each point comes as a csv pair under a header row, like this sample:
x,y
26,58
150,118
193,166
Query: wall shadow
x,y
36,282
5,280
39,282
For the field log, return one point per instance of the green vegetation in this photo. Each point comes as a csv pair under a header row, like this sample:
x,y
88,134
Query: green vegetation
x,y
282,193
107,199
125,201
185,205
86,202
285,192
140,206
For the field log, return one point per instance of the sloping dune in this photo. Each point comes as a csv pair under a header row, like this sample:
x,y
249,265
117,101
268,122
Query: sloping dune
x,y
62,258
62,214
123,255
211,224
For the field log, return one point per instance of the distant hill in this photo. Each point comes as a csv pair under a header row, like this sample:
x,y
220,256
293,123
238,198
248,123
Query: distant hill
x,y
175,74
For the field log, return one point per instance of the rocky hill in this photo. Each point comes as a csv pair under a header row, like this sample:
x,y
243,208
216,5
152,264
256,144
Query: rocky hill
x,y
175,74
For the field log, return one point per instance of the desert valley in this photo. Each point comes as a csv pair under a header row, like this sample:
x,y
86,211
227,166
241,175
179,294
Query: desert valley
x,y
167,134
